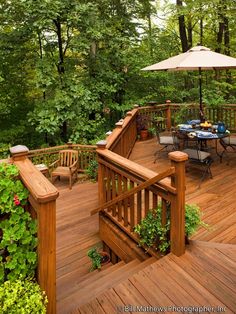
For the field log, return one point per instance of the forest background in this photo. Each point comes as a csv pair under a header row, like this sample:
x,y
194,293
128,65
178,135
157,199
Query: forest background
x,y
70,69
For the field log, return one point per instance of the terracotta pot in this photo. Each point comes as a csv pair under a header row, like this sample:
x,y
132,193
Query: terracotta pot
x,y
143,134
105,258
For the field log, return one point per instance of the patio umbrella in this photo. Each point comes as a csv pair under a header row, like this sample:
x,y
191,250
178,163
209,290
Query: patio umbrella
x,y
197,58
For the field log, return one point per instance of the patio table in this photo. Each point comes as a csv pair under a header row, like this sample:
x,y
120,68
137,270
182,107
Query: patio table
x,y
203,136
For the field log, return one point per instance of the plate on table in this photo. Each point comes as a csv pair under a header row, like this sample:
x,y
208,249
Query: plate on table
x,y
184,126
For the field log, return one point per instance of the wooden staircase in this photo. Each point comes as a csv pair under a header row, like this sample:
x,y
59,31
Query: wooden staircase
x,y
204,276
97,282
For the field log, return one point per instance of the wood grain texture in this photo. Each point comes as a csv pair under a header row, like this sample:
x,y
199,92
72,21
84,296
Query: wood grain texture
x,y
216,198
189,280
43,200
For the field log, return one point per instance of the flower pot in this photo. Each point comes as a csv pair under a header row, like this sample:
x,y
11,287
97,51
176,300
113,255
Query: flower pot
x,y
105,258
143,135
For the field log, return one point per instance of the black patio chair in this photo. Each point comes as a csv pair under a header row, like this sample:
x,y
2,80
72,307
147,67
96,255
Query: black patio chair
x,y
166,141
229,145
198,157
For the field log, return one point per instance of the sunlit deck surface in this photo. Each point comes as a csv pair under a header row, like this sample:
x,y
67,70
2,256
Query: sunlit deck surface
x,y
204,276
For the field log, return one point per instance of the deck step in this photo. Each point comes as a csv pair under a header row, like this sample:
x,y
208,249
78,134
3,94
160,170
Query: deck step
x,y
203,275
216,245
91,287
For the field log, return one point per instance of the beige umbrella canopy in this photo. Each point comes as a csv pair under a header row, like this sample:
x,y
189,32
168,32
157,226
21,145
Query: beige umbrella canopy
x,y
197,58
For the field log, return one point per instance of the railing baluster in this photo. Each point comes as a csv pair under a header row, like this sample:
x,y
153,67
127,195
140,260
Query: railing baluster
x,y
139,207
131,206
119,192
146,197
125,202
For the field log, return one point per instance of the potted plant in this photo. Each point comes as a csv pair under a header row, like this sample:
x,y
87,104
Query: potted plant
x,y
142,126
98,259
153,234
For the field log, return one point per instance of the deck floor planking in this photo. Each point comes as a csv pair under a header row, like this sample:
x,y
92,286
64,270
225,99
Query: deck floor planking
x,y
77,231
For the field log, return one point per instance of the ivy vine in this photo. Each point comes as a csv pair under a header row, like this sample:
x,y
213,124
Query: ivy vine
x,y
18,239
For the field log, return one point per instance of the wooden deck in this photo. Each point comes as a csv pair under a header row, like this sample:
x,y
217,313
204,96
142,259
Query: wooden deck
x,y
203,277
207,270
216,197
77,231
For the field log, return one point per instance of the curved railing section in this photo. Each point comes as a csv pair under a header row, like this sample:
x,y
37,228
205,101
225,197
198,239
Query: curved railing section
x,y
127,191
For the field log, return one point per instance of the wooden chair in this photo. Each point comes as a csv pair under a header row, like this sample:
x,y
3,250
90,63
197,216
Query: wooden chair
x,y
66,165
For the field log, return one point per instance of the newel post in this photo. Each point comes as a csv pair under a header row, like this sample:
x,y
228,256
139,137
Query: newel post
x,y
168,114
177,225
42,199
101,145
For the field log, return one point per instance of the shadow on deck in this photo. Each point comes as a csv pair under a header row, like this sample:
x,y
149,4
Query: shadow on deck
x,y
203,276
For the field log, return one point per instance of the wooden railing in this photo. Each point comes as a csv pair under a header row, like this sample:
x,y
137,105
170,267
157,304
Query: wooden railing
x,y
42,201
48,155
123,137
169,111
127,191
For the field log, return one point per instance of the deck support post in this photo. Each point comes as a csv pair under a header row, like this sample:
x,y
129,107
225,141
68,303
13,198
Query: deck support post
x,y
101,145
177,225
168,114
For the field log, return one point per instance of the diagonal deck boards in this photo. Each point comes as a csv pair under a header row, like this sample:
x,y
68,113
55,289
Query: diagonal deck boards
x,y
77,231
189,280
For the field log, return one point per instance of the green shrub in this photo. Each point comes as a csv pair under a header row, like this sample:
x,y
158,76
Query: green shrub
x,y
18,239
96,258
92,170
22,297
152,232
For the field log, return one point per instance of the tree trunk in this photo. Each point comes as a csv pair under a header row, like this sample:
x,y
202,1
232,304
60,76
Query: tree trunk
x,y
190,33
182,28
220,32
61,68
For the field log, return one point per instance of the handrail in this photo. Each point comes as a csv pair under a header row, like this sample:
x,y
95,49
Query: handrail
x,y
225,113
135,168
140,187
123,137
42,200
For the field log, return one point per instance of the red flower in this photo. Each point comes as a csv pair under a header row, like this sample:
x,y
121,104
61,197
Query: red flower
x,y
16,200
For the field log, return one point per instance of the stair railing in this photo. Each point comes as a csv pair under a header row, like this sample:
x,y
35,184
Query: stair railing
x,y
128,191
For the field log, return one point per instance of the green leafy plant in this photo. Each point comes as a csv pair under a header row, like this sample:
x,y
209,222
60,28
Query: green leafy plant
x,y
92,170
18,239
96,258
153,234
22,296
151,230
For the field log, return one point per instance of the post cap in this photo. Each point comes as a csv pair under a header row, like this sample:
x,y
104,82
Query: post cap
x,y
19,149
102,144
178,156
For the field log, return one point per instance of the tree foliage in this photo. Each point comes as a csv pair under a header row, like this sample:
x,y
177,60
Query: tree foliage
x,y
69,69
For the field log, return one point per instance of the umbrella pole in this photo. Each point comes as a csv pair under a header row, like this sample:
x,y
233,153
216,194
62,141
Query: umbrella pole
x,y
200,95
